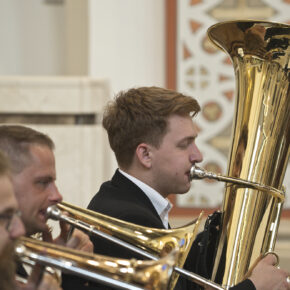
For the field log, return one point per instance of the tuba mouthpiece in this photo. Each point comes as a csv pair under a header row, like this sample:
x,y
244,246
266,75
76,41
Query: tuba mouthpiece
x,y
197,172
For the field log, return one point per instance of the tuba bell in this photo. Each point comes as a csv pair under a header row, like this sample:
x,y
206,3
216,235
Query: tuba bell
x,y
119,273
260,53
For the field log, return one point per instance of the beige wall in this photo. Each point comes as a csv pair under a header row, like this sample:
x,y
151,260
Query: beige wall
x,y
32,37
122,41
127,42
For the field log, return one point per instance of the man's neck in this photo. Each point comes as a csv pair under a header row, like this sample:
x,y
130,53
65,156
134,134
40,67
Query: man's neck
x,y
140,175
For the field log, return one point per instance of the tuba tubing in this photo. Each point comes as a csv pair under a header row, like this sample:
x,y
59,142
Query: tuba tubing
x,y
56,212
197,172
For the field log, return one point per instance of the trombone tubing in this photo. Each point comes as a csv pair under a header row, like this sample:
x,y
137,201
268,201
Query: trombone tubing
x,y
69,268
55,213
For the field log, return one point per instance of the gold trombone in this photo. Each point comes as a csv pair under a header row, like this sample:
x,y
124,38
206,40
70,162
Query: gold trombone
x,y
118,273
150,243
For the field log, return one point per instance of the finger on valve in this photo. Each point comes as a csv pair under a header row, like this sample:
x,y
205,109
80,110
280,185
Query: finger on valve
x,y
80,241
64,233
49,283
271,258
33,281
266,276
36,276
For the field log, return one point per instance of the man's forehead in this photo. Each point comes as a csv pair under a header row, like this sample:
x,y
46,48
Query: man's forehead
x,y
39,151
42,161
183,125
7,199
196,128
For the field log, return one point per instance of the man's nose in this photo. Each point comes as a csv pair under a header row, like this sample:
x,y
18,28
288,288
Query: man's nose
x,y
17,228
196,155
55,196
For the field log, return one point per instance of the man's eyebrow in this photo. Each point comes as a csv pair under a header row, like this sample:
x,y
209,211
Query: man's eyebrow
x,y
46,177
188,138
7,211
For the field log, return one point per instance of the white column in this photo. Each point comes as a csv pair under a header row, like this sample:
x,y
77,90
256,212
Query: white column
x,y
127,42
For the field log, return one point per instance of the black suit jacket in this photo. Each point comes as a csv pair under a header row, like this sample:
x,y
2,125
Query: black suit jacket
x,y
122,199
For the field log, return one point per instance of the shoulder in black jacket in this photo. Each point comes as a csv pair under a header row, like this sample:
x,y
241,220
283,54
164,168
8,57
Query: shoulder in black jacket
x,y
122,199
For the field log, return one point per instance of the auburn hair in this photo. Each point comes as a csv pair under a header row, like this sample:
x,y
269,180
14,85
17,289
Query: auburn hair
x,y
141,115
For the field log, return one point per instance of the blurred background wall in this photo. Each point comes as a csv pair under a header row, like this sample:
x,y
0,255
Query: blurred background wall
x,y
116,44
82,52
207,73
123,41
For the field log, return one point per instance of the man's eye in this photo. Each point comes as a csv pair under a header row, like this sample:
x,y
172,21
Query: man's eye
x,y
43,182
183,145
6,216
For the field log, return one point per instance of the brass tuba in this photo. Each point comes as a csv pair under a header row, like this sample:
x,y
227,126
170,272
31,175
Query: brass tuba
x,y
260,146
119,273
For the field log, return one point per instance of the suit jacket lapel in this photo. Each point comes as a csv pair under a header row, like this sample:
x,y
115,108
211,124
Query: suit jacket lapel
x,y
132,192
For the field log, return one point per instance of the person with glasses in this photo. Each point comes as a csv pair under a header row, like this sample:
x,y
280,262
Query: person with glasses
x,y
33,176
11,226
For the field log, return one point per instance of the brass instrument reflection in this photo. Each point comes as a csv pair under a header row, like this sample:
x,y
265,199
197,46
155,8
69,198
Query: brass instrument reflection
x,y
119,273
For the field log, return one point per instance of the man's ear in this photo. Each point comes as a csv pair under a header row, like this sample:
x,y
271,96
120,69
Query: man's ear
x,y
144,154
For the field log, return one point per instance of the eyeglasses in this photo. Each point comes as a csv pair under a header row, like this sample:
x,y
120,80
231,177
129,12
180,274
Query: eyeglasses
x,y
6,220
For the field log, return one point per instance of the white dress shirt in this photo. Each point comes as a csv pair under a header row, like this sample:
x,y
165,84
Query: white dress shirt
x,y
161,204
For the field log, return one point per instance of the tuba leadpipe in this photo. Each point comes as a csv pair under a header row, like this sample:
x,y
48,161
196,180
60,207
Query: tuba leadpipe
x,y
147,242
259,152
118,273
197,172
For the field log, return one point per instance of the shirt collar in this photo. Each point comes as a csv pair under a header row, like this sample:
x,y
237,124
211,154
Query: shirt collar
x,y
161,204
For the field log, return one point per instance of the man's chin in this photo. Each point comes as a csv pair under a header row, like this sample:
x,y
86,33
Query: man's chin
x,y
184,189
42,217
182,192
37,228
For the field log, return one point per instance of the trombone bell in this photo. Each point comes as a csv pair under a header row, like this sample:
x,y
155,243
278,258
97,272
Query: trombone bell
x,y
148,242
151,241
